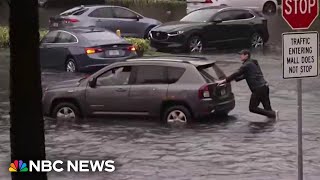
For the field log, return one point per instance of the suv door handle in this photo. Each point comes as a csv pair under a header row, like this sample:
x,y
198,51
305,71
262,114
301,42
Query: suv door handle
x,y
121,90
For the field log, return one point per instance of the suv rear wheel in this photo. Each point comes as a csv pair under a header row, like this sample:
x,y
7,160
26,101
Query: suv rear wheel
x,y
67,111
177,114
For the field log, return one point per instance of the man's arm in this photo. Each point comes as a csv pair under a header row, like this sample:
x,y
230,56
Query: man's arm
x,y
238,75
239,78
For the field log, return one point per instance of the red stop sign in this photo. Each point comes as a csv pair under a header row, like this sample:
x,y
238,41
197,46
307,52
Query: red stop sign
x,y
300,14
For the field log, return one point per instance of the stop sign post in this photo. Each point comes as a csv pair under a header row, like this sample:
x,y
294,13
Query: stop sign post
x,y
300,14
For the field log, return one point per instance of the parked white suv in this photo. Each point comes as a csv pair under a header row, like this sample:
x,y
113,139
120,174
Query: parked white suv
x,y
268,7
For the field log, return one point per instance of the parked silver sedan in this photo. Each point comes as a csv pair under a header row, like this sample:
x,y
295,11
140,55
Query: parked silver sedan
x,y
130,23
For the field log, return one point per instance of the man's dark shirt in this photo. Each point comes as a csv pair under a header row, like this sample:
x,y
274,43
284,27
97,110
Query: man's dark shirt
x,y
251,71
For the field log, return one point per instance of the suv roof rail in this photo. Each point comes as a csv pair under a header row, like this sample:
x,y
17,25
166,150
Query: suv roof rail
x,y
169,56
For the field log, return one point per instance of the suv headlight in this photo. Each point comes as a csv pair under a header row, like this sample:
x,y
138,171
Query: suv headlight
x,y
176,33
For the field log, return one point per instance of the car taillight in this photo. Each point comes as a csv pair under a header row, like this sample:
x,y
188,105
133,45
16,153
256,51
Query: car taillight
x,y
71,20
93,50
132,48
208,1
204,92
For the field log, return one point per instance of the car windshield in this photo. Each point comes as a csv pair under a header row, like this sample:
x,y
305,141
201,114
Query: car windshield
x,y
100,36
203,15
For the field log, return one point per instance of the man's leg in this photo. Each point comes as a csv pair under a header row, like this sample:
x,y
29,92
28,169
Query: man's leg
x,y
265,100
260,96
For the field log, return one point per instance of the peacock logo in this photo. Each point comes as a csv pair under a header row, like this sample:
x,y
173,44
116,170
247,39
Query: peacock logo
x,y
18,166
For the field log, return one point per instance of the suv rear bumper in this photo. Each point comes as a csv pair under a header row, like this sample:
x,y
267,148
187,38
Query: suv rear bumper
x,y
209,106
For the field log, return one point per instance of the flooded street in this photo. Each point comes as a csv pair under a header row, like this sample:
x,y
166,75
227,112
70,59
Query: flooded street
x,y
236,147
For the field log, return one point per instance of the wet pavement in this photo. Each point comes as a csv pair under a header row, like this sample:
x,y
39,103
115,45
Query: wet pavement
x,y
240,146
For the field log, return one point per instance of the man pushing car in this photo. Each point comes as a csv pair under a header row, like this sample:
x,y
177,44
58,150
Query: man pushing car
x,y
251,71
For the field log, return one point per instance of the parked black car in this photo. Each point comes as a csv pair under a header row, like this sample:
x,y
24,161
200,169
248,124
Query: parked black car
x,y
83,49
129,22
212,27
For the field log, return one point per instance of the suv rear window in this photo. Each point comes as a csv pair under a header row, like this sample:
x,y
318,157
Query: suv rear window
x,y
150,74
211,74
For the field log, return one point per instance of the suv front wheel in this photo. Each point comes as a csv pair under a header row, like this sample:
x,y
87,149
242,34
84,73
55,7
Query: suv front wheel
x,y
177,114
67,111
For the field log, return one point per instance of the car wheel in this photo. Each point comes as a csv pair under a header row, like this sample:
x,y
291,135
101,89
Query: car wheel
x,y
256,41
195,44
269,8
71,65
66,111
177,114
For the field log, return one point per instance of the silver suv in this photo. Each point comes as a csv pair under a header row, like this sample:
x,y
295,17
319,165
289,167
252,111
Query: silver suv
x,y
175,88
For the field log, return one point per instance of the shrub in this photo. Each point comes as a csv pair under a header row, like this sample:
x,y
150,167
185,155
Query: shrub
x,y
4,37
142,45
5,40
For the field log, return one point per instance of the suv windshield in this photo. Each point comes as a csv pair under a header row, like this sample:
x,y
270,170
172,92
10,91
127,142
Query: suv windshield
x,y
212,73
203,15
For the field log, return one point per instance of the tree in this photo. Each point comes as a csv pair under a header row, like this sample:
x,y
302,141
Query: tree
x,y
27,125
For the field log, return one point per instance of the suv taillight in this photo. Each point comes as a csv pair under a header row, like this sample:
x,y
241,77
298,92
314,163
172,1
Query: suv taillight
x,y
204,92
208,1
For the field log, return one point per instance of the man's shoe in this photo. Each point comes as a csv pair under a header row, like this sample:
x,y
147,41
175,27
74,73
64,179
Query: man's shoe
x,y
277,115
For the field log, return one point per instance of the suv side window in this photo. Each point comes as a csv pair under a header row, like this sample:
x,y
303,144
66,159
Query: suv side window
x,y
64,37
115,76
150,74
123,13
50,37
174,74
102,13
224,16
234,15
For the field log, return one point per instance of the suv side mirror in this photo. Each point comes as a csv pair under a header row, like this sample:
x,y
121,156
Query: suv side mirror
x,y
93,83
217,20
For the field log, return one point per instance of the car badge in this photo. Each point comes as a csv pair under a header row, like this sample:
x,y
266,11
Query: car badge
x,y
114,46
158,34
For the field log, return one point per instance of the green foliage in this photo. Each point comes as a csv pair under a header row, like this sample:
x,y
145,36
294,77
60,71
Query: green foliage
x,y
142,45
4,36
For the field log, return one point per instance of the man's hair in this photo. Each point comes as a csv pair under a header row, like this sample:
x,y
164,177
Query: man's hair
x,y
245,52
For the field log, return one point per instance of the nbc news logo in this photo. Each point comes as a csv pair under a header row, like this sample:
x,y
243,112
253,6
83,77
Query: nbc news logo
x,y
75,166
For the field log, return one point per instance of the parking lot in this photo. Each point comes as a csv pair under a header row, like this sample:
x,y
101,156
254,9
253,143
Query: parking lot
x,y
219,149
242,145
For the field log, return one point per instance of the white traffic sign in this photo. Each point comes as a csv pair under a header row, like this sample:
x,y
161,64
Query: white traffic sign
x,y
300,54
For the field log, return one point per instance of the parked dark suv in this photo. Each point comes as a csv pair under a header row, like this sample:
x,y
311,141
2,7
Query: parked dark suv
x,y
173,88
217,26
